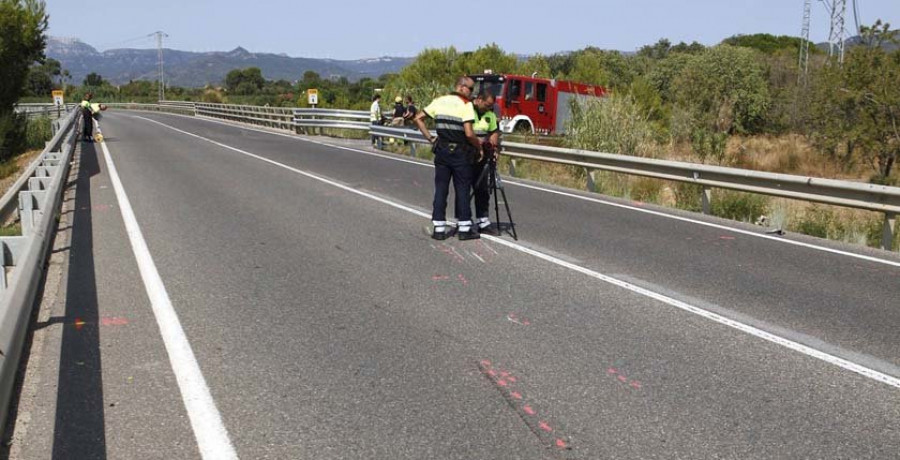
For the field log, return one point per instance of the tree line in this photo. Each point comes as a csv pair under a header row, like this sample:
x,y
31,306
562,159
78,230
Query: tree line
x,y
664,94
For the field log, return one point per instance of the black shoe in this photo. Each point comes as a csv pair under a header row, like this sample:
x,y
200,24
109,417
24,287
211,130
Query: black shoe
x,y
472,234
490,230
441,236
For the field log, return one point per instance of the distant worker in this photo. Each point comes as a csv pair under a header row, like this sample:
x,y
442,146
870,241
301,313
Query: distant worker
x,y
89,111
399,110
375,114
455,148
488,131
410,114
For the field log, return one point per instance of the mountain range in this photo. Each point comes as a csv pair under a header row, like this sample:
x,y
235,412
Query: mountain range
x,y
195,69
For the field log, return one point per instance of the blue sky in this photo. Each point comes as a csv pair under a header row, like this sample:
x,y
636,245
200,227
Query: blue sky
x,y
361,29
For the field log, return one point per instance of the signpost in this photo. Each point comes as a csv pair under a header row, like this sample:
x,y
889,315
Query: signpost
x,y
312,96
58,101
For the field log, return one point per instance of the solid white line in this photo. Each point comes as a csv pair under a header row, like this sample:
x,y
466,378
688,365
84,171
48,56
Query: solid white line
x,y
576,196
212,437
778,340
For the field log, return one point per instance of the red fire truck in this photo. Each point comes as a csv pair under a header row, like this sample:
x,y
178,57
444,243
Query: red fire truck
x,y
531,104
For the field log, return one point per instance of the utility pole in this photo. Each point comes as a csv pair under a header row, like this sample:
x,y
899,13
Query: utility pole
x,y
160,67
804,44
838,10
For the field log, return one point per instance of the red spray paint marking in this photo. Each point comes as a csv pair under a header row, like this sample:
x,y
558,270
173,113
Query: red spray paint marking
x,y
462,278
113,321
726,237
101,207
503,380
620,376
440,278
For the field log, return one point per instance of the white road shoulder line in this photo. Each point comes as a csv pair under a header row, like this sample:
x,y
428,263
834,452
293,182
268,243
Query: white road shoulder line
x,y
756,332
212,437
572,195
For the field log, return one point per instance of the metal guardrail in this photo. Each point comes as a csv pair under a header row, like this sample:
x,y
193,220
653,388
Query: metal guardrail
x,y
36,196
878,198
43,110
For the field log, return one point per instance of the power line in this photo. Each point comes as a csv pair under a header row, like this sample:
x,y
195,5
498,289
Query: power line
x,y
160,65
804,35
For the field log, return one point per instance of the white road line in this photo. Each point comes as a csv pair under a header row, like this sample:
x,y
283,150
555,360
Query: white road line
x,y
576,196
212,437
778,340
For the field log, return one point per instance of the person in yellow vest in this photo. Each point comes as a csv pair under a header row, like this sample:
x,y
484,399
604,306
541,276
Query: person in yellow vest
x,y
87,119
89,111
455,149
488,131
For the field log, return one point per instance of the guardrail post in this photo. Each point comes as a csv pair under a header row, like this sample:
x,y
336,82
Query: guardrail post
x,y
887,239
10,252
412,149
706,198
512,167
30,209
591,180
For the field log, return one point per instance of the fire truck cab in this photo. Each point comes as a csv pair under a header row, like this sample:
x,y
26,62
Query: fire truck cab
x,y
531,104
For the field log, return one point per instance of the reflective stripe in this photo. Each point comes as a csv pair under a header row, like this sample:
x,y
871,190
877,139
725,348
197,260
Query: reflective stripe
x,y
450,114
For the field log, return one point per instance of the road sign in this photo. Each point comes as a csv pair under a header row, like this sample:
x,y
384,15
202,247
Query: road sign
x,y
58,98
312,96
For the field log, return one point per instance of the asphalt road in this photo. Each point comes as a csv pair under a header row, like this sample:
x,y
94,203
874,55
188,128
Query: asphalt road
x,y
327,324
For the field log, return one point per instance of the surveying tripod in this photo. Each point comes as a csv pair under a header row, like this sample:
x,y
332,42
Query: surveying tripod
x,y
495,183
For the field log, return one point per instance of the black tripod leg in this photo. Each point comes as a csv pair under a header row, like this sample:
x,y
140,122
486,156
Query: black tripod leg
x,y
495,186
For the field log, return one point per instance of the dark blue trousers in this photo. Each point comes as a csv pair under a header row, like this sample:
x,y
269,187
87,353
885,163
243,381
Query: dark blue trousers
x,y
481,189
452,165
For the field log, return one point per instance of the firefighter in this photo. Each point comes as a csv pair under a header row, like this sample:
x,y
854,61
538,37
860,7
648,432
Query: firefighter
x,y
488,131
455,149
399,109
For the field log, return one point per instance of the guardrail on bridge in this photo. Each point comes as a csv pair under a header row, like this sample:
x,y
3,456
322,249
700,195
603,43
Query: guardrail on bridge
x,y
36,198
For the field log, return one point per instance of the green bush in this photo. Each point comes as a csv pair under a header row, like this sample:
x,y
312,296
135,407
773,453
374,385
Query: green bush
x,y
615,124
37,132
12,135
740,206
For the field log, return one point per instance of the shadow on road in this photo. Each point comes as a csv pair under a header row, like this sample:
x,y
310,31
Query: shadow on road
x,y
80,431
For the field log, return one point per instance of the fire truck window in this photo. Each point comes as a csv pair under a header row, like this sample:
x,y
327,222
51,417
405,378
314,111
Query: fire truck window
x,y
542,92
529,90
493,88
515,88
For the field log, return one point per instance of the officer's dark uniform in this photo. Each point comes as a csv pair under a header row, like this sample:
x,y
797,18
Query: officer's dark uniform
x,y
485,125
453,159
87,112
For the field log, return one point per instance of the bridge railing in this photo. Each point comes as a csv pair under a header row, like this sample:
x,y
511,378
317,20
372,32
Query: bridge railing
x,y
871,197
35,198
52,111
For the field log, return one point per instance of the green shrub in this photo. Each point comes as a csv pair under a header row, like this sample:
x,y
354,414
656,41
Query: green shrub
x,y
615,124
740,206
12,135
37,132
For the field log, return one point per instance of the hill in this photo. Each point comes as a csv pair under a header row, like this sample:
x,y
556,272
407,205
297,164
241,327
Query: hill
x,y
192,69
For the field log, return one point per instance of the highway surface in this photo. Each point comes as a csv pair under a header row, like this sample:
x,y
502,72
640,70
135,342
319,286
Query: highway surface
x,y
230,292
